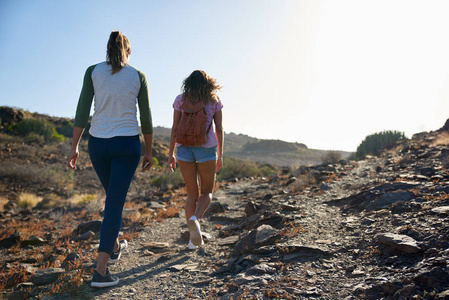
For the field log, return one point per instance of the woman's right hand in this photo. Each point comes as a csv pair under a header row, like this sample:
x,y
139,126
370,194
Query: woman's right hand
x,y
219,164
172,163
72,158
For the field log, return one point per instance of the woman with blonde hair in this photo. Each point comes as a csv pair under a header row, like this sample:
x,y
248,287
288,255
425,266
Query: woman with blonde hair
x,y
198,163
114,143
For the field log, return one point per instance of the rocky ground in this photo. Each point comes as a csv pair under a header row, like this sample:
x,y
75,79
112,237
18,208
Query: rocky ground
x,y
373,229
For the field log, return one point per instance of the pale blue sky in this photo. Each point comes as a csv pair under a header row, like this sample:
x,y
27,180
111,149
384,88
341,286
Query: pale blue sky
x,y
324,73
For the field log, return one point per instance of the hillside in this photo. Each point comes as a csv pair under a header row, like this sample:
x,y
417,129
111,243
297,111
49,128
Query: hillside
x,y
273,152
372,229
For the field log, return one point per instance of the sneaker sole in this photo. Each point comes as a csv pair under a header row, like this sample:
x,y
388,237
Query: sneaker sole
x,y
195,236
120,254
104,284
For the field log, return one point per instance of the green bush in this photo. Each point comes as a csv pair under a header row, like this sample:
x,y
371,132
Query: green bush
x,y
170,180
66,130
39,127
378,141
236,168
56,137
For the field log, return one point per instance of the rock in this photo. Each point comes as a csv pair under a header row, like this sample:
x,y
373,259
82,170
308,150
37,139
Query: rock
x,y
261,269
442,210
155,205
84,237
243,278
215,207
443,295
93,226
434,278
288,207
251,209
228,241
10,116
155,245
185,267
263,235
47,276
20,295
388,199
10,241
70,259
399,242
33,241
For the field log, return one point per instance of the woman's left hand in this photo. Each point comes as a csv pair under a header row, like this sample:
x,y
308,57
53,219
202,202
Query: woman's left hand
x,y
72,158
147,163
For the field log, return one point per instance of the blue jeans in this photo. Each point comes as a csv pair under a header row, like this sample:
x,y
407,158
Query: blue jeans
x,y
115,160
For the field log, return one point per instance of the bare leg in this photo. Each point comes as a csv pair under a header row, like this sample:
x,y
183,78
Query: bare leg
x,y
117,245
206,173
102,263
190,174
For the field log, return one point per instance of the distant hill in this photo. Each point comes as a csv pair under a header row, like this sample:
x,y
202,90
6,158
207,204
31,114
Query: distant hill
x,y
274,152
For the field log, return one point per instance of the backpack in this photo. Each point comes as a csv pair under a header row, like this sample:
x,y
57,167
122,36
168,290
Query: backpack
x,y
192,129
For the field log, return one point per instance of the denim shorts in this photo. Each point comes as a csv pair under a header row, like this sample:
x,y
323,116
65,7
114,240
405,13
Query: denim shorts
x,y
196,154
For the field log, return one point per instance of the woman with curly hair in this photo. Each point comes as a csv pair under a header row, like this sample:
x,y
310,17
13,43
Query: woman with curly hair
x,y
198,164
114,143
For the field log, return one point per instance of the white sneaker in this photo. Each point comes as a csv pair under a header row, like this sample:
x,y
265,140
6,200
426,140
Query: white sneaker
x,y
195,232
192,246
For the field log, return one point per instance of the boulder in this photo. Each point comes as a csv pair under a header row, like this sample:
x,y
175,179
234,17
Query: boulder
x,y
261,236
399,242
47,276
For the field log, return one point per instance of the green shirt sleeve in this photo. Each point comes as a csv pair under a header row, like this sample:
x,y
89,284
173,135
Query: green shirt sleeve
x,y
85,100
143,101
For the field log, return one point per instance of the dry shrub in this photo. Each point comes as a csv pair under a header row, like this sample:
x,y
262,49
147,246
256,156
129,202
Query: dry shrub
x,y
71,284
270,291
49,201
440,197
83,199
169,212
372,251
26,174
292,230
13,276
27,200
303,181
6,138
130,235
3,202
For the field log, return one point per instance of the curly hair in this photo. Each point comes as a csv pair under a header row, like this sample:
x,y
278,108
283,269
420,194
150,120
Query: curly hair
x,y
200,87
118,50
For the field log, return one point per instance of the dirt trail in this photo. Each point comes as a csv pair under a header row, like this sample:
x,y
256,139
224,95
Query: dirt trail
x,y
173,272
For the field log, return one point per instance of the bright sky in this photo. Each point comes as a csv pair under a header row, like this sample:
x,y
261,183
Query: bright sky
x,y
324,73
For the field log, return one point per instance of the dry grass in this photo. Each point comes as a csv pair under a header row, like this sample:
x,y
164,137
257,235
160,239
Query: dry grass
x,y
169,212
71,284
83,199
291,230
13,276
28,200
130,235
442,139
372,251
440,197
3,202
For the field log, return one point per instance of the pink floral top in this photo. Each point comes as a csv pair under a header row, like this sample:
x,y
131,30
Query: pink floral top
x,y
211,109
